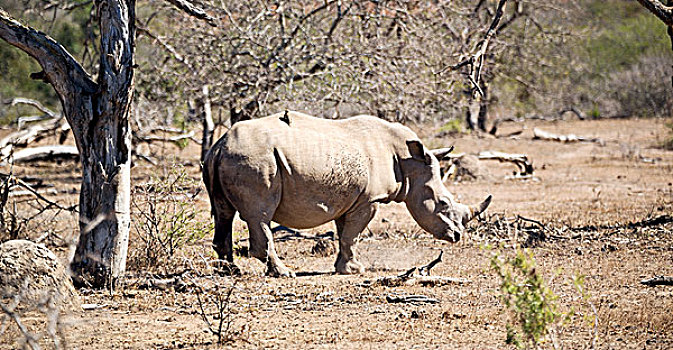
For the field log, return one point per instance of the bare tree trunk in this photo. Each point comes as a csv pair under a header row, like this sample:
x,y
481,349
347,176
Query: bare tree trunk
x,y
483,107
98,114
208,124
472,111
670,32
106,152
248,112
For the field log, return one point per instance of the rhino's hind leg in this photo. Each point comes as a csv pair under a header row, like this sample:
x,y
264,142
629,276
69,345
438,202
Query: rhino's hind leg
x,y
349,227
263,248
222,239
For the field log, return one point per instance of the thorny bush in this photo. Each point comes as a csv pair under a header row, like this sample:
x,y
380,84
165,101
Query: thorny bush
x,y
165,218
215,309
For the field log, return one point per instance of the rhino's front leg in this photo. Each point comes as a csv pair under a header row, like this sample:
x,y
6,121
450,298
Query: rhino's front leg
x,y
349,227
262,248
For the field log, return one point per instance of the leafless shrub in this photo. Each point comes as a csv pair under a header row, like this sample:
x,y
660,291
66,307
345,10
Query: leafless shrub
x,y
215,309
14,309
644,89
165,218
24,209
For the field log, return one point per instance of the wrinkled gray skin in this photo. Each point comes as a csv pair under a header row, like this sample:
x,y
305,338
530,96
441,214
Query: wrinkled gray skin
x,y
302,172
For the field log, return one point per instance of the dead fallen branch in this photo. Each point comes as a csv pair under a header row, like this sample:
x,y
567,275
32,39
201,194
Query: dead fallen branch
x,y
411,299
24,193
45,153
658,281
33,134
659,220
530,232
520,160
175,138
574,110
34,103
539,134
416,275
176,283
425,270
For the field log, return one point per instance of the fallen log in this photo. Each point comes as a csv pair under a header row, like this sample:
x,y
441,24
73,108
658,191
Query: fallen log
x,y
34,133
539,134
416,275
24,193
520,160
45,153
175,138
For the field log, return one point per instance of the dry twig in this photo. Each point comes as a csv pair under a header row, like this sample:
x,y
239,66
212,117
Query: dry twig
x,y
658,281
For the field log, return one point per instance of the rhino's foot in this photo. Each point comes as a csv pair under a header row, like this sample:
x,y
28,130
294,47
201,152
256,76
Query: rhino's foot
x,y
279,270
225,268
349,267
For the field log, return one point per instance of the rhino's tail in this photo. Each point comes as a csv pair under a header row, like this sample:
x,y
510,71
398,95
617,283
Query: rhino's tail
x,y
211,181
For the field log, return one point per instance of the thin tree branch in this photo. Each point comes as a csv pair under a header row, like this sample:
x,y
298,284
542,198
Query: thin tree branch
x,y
194,11
34,103
663,12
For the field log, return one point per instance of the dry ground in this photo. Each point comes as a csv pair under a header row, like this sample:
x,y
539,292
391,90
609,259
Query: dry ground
x,y
628,179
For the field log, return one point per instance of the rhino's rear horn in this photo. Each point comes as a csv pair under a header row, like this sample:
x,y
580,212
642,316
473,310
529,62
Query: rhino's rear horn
x,y
479,208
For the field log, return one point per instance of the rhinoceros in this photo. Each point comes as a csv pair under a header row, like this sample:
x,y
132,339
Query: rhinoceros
x,y
300,171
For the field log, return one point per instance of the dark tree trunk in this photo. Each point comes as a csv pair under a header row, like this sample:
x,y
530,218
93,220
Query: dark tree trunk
x,y
472,111
249,111
670,33
203,108
483,108
98,115
105,152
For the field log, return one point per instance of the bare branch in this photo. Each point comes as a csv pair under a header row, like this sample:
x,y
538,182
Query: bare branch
x,y
476,60
29,188
178,57
663,12
61,69
34,103
193,11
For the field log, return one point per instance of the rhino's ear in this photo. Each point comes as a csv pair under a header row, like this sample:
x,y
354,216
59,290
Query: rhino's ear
x,y
417,151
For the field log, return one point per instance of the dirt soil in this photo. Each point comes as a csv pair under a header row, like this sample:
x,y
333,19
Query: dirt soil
x,y
584,197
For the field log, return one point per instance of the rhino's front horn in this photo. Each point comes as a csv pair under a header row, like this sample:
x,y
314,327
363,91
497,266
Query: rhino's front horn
x,y
440,153
479,208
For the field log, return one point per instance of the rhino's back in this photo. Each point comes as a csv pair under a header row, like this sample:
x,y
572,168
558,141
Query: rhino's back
x,y
324,166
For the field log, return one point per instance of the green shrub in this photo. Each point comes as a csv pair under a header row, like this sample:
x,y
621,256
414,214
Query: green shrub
x,y
453,126
530,302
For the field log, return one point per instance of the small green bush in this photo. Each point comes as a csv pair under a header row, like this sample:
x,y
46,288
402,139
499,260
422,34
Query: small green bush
x,y
453,126
525,294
